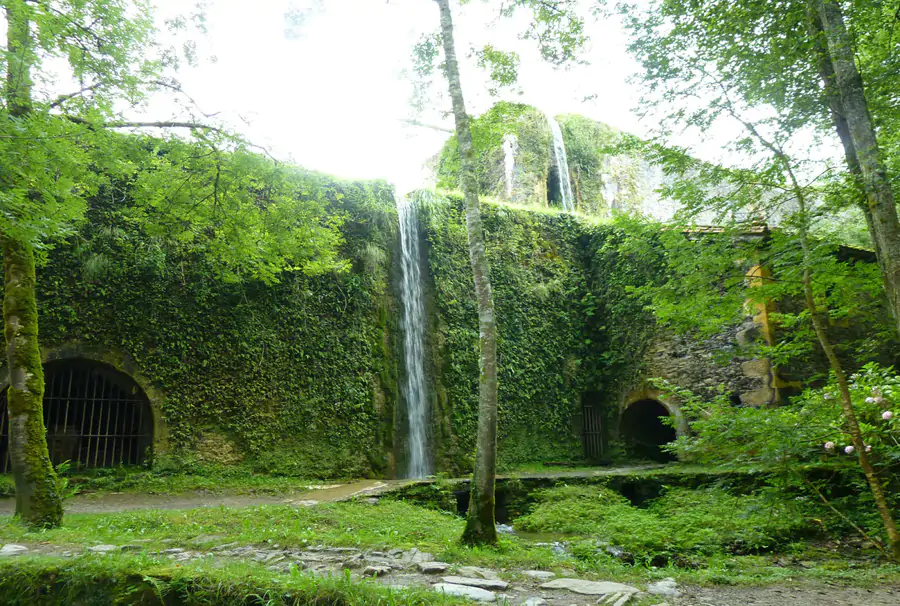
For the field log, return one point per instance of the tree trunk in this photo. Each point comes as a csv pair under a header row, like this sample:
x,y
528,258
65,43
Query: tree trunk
x,y
882,217
37,499
837,368
480,523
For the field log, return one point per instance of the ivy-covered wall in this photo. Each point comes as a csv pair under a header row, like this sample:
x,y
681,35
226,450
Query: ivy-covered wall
x,y
299,377
566,328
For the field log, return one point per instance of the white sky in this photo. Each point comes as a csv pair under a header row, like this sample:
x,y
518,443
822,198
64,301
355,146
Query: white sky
x,y
334,99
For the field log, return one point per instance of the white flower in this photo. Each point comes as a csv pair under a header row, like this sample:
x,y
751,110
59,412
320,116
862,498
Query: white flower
x,y
870,400
849,449
887,415
868,448
829,445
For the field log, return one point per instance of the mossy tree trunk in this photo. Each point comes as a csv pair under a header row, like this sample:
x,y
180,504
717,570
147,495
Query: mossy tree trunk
x,y
480,522
882,211
37,497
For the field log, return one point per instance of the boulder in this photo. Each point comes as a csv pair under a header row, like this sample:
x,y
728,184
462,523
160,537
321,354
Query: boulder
x,y
433,567
376,571
666,588
465,591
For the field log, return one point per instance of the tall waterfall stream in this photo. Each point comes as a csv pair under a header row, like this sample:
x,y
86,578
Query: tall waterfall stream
x,y
562,165
413,325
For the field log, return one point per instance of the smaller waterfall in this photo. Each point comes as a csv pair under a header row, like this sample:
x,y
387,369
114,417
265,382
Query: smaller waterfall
x,y
413,325
562,165
510,150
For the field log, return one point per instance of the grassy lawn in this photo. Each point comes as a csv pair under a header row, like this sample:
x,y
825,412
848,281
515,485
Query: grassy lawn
x,y
402,525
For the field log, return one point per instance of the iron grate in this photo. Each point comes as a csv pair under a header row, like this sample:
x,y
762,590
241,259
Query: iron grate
x,y
95,417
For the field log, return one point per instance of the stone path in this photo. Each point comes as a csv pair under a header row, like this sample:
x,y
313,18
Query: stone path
x,y
399,568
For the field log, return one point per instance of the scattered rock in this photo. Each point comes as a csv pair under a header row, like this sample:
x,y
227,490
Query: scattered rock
x,y
371,500
505,528
172,551
10,550
433,567
589,587
616,599
465,591
666,588
376,571
414,556
540,575
224,547
536,601
481,583
476,572
103,548
131,547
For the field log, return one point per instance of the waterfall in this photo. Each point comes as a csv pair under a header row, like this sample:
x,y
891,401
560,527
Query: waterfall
x,y
510,149
413,325
562,164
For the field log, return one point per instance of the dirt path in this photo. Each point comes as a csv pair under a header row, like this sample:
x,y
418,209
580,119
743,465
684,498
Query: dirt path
x,y
822,595
112,502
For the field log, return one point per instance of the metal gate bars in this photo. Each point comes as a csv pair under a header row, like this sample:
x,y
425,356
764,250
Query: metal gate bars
x,y
95,417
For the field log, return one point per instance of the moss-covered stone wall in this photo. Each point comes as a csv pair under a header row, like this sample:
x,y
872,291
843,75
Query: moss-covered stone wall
x,y
297,378
566,327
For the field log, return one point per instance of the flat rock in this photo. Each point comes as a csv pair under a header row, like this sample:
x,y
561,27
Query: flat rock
x,y
10,549
465,591
666,588
103,548
540,575
414,556
536,601
433,567
482,583
476,572
589,587
376,571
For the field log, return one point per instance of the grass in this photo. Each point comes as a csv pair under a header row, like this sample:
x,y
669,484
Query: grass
x,y
146,580
392,524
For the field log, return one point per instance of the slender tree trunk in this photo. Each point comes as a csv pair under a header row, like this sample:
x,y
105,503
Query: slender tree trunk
x,y
480,523
832,99
37,498
854,108
852,424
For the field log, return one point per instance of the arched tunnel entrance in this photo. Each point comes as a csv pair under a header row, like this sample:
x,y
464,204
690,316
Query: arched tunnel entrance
x,y
95,416
643,432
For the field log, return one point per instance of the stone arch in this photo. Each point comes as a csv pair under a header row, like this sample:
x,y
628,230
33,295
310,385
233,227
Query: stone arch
x,y
641,430
120,371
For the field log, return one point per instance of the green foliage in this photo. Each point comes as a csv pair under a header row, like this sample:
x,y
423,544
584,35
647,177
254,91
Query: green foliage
x,y
143,580
805,441
565,324
291,373
680,524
